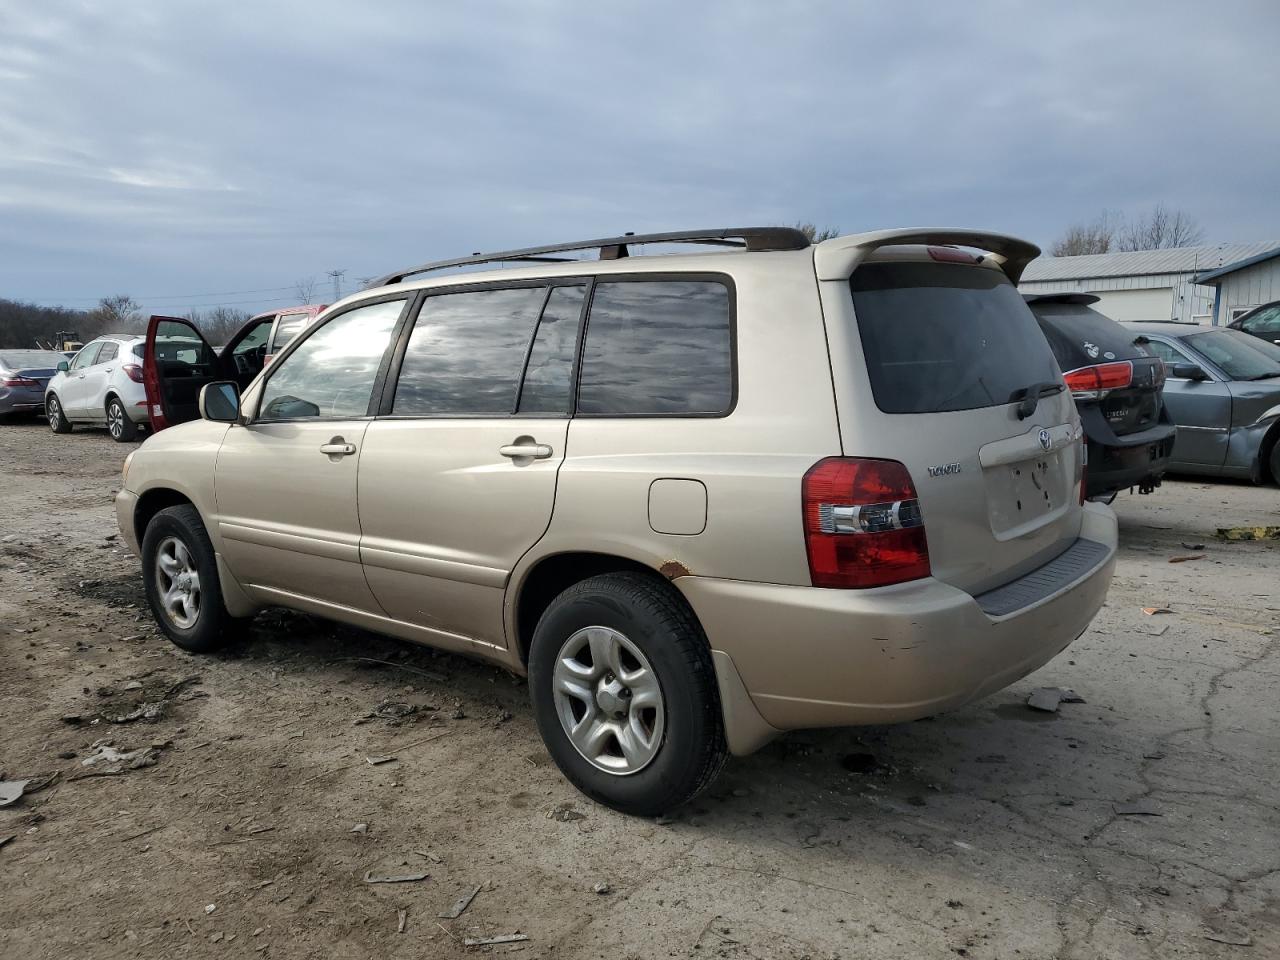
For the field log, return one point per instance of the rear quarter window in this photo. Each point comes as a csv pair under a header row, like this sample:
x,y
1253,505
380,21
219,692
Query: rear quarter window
x,y
939,337
658,348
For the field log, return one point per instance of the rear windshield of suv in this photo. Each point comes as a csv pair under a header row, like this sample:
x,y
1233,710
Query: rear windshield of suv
x,y
946,336
1081,337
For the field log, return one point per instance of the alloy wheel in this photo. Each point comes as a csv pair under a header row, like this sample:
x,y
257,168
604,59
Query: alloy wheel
x,y
178,583
115,419
609,701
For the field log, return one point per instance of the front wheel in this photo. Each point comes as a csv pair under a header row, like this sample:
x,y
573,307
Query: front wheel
x,y
625,694
121,428
180,573
1275,461
58,421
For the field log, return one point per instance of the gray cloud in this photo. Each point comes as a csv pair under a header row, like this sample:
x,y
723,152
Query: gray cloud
x,y
183,148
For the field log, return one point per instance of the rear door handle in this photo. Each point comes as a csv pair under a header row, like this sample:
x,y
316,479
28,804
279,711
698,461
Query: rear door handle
x,y
525,449
337,447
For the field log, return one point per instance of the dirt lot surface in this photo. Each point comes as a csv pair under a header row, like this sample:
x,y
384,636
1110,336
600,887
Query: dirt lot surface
x,y
1143,822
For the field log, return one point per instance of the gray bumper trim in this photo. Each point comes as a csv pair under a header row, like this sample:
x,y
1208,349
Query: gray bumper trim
x,y
1080,558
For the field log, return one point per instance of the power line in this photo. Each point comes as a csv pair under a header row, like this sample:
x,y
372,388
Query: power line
x,y
337,283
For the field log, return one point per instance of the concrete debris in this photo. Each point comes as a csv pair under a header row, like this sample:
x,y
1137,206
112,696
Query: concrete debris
x,y
209,908
1152,611
360,828
107,760
490,941
602,889
402,919
1048,698
459,905
395,878
377,761
565,812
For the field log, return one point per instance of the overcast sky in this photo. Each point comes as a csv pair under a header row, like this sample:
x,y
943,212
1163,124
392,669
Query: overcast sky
x,y
169,150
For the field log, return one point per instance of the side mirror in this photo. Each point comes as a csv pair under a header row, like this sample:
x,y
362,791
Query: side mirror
x,y
1188,371
220,401
63,366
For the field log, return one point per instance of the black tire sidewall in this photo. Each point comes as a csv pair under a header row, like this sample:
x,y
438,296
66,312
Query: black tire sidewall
x,y
128,429
677,771
63,425
184,524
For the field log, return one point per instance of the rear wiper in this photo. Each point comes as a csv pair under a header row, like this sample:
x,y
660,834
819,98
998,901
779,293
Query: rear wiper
x,y
1030,396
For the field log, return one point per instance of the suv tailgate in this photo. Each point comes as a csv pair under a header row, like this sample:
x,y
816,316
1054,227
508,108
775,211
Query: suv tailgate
x,y
935,357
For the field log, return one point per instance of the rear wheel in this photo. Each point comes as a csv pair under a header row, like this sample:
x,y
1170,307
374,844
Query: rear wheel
x,y
58,421
625,695
180,572
119,425
1275,461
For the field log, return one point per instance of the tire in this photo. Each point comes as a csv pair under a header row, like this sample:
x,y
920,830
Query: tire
x,y
119,425
656,641
197,623
57,418
1275,462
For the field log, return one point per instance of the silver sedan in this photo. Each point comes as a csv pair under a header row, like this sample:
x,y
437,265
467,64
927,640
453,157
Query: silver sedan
x,y
1223,391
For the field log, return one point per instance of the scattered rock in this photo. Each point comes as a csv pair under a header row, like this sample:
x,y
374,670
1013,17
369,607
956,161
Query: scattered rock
x,y
565,812
1048,698
395,878
602,889
1152,611
360,828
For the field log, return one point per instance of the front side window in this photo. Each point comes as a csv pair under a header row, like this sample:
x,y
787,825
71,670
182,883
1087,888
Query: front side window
x,y
332,372
466,353
1266,322
86,356
657,348
1167,352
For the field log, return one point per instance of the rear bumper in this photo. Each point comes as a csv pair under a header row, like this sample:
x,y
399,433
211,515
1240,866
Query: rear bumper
x,y
20,401
811,657
1117,462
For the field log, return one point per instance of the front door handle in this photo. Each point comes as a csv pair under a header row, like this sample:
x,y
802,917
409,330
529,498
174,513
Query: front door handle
x,y
337,448
526,448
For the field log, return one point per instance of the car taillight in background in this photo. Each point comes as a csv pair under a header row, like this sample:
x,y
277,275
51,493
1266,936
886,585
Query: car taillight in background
x,y
134,371
862,524
1094,383
16,381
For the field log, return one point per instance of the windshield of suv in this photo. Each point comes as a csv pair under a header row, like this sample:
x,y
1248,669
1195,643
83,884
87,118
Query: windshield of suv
x,y
946,336
1240,356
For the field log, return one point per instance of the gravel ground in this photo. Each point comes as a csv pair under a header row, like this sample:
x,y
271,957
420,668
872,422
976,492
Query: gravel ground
x,y
1141,823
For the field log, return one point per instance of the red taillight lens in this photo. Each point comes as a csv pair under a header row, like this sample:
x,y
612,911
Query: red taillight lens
x,y
18,382
134,371
862,524
1091,383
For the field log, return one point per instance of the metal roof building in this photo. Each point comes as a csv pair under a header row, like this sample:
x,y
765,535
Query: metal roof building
x,y
1171,284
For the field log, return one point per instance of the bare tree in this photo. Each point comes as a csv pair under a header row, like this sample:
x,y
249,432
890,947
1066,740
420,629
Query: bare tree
x,y
817,234
1081,239
118,314
218,324
305,289
1161,229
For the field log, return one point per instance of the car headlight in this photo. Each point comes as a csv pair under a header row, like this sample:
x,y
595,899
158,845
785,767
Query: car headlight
x,y
124,471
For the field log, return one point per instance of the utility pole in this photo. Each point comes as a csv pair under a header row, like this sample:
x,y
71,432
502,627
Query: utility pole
x,y
337,283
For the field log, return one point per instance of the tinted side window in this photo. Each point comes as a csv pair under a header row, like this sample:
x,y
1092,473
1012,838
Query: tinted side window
x,y
466,353
331,373
1166,352
108,352
86,356
548,378
1265,321
657,347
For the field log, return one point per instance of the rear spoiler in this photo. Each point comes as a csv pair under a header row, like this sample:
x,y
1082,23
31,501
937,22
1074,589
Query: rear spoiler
x,y
836,259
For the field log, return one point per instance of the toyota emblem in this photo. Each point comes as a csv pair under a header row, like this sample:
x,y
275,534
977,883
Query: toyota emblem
x,y
1046,441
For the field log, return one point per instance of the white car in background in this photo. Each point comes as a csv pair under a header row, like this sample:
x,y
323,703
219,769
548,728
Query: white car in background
x,y
101,386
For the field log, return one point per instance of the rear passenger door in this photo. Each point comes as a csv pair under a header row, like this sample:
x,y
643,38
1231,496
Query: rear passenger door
x,y
96,378
458,474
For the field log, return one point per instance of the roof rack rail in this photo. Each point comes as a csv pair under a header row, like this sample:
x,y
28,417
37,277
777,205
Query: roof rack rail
x,y
615,248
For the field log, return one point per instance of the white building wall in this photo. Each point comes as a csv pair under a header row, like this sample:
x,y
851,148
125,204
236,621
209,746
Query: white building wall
x,y
1248,288
1182,300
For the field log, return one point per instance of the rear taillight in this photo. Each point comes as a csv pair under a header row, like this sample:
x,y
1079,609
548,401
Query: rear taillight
x,y
134,371
18,382
1093,383
862,524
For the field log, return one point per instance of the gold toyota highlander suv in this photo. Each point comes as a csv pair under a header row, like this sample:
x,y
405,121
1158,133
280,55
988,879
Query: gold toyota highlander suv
x,y
699,498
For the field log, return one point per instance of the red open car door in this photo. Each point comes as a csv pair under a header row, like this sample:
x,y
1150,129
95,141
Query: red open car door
x,y
176,364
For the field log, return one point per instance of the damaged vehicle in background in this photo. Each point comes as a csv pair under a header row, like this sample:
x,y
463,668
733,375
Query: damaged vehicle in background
x,y
24,374
178,362
102,387
1223,392
1118,388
